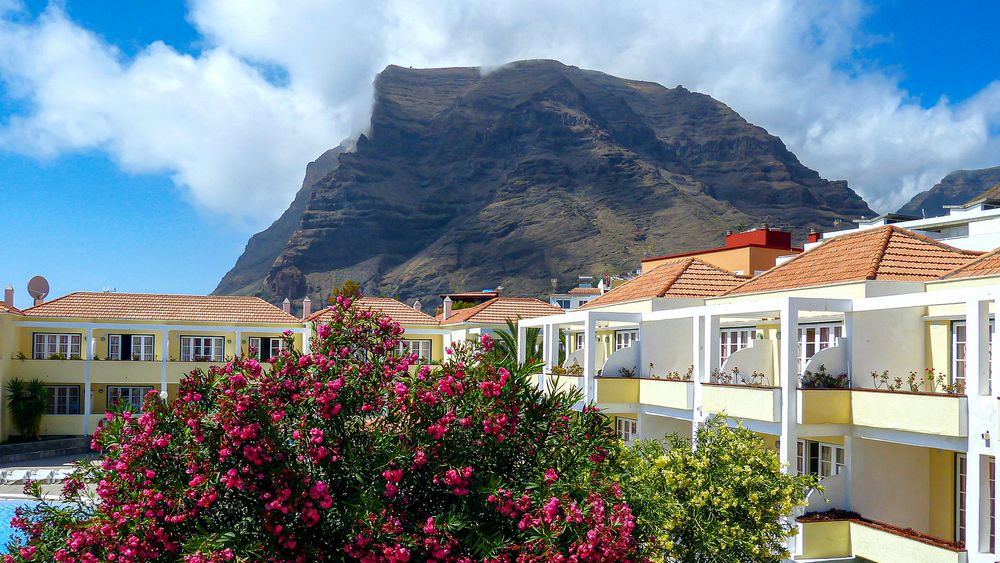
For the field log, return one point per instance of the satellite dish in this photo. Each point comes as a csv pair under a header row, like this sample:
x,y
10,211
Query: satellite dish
x,y
38,287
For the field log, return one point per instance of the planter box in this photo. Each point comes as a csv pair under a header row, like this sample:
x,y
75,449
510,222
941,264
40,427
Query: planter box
x,y
666,393
742,401
926,413
825,406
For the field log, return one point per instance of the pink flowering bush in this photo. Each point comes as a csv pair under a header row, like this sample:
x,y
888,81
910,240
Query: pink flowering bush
x,y
349,452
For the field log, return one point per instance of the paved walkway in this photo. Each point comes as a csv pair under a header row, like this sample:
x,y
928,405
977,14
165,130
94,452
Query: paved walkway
x,y
49,490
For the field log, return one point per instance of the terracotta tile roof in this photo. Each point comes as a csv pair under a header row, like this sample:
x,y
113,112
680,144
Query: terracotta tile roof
x,y
986,265
884,253
683,277
149,306
585,291
502,309
399,312
4,308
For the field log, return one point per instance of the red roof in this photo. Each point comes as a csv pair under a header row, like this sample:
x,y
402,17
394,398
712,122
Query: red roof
x,y
4,308
986,265
397,311
502,309
151,306
683,277
585,291
883,253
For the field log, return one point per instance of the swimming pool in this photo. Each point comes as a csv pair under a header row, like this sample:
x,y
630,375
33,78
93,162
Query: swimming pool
x,y
7,508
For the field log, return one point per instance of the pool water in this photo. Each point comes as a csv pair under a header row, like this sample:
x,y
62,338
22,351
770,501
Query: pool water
x,y
7,508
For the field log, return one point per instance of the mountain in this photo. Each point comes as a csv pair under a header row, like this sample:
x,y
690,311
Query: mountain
x,y
954,189
536,170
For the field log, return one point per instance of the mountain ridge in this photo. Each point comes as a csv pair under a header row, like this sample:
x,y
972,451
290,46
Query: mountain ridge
x,y
533,171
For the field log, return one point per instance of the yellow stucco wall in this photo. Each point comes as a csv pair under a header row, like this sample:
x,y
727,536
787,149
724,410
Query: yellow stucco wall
x,y
822,540
741,402
617,390
942,494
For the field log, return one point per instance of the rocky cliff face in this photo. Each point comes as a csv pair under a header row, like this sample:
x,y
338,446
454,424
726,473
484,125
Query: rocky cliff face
x,y
534,171
954,189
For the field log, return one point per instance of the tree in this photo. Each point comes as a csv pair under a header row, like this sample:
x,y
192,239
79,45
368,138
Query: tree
x,y
506,344
349,288
726,500
27,402
347,452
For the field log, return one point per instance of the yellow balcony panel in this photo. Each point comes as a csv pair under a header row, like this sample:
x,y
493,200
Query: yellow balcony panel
x,y
617,390
666,393
176,371
825,540
926,413
54,371
108,371
563,382
825,406
877,544
742,401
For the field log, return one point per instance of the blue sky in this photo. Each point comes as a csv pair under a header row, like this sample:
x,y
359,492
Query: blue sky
x,y
106,185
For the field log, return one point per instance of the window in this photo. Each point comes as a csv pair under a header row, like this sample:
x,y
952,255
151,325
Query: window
x,y
991,468
64,346
63,399
625,338
201,348
266,348
422,348
819,458
580,341
734,340
127,397
137,347
562,303
627,428
960,473
958,341
816,337
582,302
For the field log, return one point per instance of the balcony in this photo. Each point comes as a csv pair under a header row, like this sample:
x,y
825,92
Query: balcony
x,y
555,383
617,391
857,537
666,393
49,371
112,371
926,413
825,406
742,401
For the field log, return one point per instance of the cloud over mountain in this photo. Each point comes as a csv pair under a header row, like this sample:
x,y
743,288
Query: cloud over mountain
x,y
274,84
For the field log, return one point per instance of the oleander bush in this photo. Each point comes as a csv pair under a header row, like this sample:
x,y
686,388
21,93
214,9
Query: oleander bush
x,y
353,453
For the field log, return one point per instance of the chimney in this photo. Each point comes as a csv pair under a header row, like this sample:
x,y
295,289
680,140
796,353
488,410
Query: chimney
x,y
286,306
8,296
307,307
813,236
447,308
417,306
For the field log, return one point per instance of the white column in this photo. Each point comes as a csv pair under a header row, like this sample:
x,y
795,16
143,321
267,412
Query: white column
x,y
788,380
239,344
589,358
976,331
307,338
164,358
697,374
87,400
711,345
552,343
522,338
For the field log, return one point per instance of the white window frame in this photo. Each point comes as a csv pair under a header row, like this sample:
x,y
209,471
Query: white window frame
x,y
829,459
734,339
563,303
276,345
48,344
422,347
958,355
961,474
210,347
114,346
142,346
135,394
625,338
60,398
627,428
819,341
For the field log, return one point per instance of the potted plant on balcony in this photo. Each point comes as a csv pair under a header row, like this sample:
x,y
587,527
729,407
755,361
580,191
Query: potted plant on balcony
x,y
822,379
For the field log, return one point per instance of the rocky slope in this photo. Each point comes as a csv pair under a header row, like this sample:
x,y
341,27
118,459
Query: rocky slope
x,y
534,171
954,189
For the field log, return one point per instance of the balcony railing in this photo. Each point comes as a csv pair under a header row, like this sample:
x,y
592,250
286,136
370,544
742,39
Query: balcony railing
x,y
617,391
927,413
824,538
671,394
742,401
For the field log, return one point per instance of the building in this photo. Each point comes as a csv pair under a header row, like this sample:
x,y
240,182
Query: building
x,y
579,295
974,225
489,316
865,360
746,254
98,350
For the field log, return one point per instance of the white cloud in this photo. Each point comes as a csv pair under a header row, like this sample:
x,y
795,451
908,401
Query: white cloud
x,y
235,140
